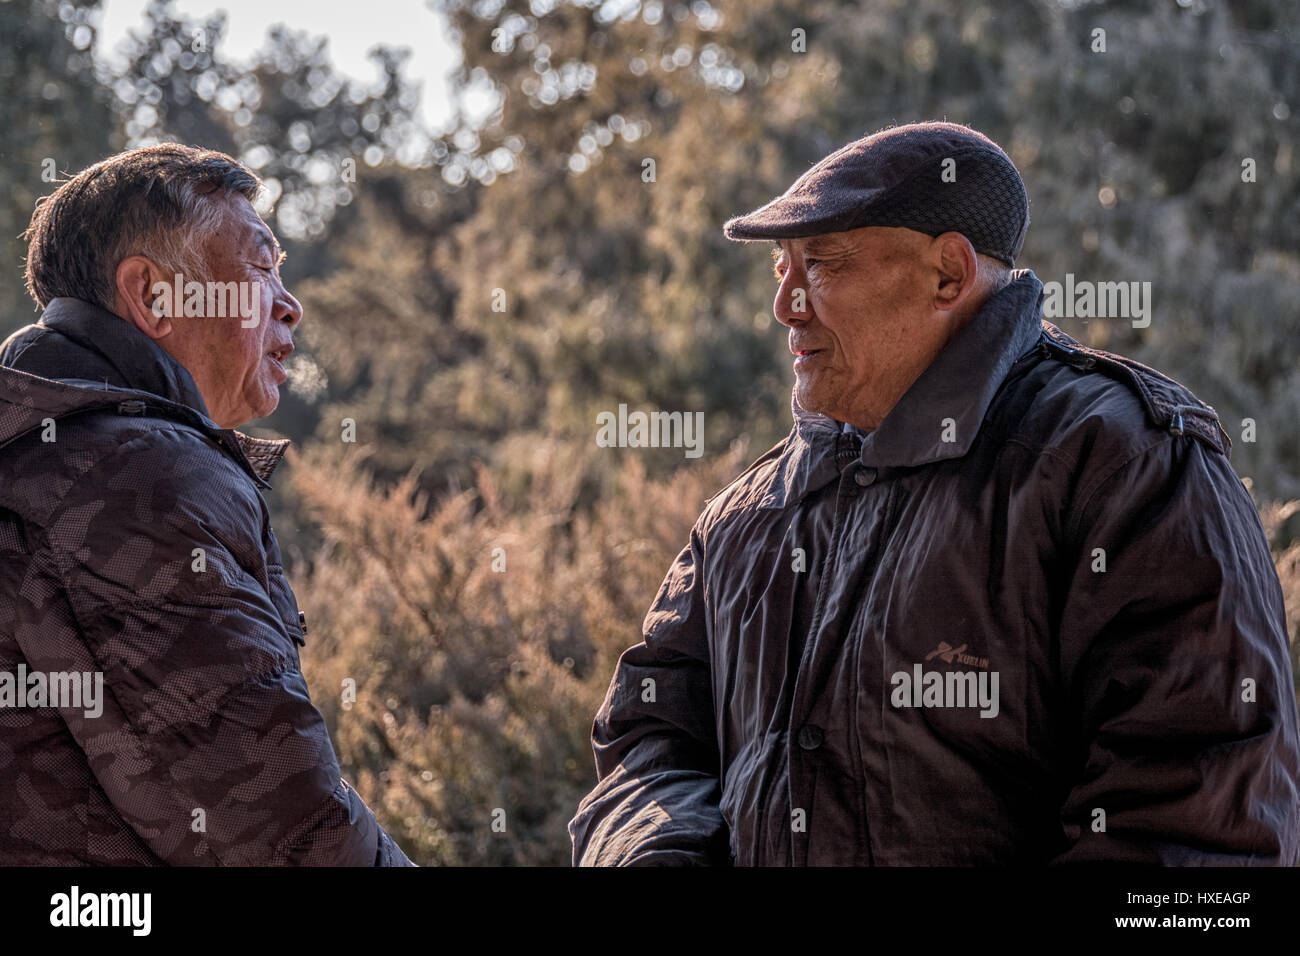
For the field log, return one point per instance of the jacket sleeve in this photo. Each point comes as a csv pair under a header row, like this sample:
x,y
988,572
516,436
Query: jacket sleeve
x,y
1174,659
656,802
207,743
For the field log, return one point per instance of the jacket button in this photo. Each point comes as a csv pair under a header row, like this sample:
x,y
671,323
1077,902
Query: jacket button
x,y
864,476
811,736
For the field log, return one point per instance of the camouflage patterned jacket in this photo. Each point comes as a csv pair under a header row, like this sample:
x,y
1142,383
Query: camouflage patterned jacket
x,y
135,546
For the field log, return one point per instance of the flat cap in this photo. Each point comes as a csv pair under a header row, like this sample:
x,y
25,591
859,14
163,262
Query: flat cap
x,y
930,177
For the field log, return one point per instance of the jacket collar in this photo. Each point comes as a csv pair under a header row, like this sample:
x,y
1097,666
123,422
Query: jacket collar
x,y
97,346
77,343
959,384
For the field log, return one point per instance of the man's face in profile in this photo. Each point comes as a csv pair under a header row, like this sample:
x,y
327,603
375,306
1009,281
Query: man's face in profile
x,y
866,328
238,363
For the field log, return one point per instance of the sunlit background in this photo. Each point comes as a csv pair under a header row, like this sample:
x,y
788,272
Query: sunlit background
x,y
507,221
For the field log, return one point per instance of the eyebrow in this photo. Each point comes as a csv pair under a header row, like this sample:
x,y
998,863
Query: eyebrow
x,y
821,245
816,245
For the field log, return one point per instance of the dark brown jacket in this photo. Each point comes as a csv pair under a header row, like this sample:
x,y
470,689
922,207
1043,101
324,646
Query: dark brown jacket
x,y
1031,618
135,544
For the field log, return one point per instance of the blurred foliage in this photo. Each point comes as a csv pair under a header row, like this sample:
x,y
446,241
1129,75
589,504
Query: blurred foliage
x,y
55,117
475,424
478,671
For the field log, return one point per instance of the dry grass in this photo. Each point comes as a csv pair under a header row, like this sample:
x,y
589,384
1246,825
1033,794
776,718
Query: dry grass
x,y
476,688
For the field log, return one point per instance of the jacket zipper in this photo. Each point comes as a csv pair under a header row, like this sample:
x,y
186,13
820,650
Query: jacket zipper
x,y
847,450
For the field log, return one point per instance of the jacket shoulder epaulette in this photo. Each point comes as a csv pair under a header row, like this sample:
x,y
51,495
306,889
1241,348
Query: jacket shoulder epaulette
x,y
1169,405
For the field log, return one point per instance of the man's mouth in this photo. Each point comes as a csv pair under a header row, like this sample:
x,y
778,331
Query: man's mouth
x,y
802,356
278,356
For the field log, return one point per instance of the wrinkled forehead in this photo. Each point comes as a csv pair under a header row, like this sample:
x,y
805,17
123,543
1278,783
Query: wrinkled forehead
x,y
244,228
826,242
882,240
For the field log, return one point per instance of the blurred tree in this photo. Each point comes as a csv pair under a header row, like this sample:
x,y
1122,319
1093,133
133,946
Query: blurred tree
x,y
572,280
624,134
475,298
54,120
300,124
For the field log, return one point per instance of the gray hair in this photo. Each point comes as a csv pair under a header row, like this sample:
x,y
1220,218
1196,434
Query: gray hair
x,y
991,275
157,202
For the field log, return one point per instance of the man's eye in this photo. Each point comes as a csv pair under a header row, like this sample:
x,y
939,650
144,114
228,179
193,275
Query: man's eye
x,y
809,263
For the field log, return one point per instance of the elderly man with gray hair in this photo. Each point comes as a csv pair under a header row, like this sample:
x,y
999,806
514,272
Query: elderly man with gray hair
x,y
998,598
135,544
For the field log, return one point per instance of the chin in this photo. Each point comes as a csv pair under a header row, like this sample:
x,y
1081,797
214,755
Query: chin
x,y
252,415
810,400
270,402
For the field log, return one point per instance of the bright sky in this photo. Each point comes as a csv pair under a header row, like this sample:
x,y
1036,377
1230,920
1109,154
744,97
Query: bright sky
x,y
352,29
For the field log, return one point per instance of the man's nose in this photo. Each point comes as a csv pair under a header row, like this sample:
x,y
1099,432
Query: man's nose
x,y
286,308
791,304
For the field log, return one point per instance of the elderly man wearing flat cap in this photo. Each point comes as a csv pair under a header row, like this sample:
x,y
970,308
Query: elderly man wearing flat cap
x,y
998,598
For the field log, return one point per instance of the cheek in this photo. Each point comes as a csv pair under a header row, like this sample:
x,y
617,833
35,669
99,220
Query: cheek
x,y
248,346
218,345
847,320
861,332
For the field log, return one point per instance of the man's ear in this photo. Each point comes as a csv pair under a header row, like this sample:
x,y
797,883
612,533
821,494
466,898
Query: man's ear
x,y
958,270
145,297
